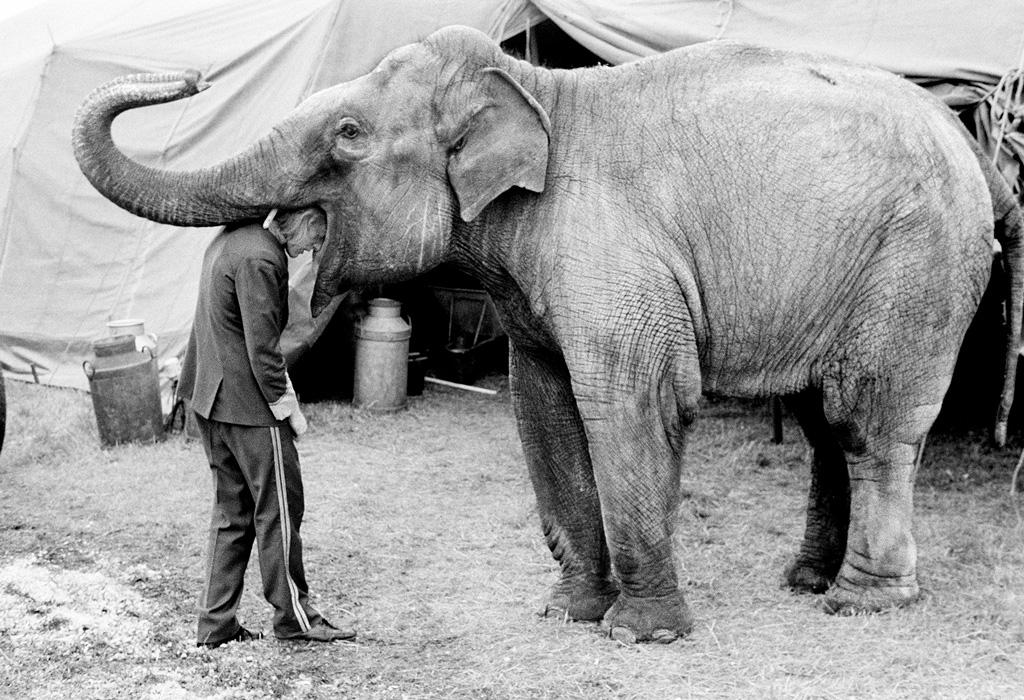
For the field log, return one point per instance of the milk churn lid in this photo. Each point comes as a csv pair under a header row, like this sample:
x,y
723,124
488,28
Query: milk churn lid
x,y
114,345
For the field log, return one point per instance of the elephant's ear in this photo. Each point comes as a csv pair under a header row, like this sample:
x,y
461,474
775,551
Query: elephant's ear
x,y
505,144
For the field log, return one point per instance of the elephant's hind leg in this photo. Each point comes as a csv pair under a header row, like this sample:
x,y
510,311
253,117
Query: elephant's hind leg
x,y
880,426
556,453
828,505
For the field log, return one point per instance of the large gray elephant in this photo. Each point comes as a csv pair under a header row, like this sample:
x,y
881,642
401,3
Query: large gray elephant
x,y
723,218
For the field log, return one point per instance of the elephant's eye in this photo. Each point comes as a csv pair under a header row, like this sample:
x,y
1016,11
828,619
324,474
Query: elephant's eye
x,y
457,146
348,129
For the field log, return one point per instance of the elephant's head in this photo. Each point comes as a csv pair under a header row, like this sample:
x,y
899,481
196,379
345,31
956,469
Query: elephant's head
x,y
385,162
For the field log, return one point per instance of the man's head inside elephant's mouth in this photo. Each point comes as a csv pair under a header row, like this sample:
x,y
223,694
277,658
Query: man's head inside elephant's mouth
x,y
299,230
392,158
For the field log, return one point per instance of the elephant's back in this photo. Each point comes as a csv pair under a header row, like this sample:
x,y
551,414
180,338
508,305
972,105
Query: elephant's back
x,y
747,119
738,68
740,106
746,86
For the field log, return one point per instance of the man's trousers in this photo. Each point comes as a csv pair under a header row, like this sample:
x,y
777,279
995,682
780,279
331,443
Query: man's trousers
x,y
257,496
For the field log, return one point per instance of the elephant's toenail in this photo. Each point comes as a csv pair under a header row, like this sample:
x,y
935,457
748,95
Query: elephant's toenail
x,y
555,611
664,636
623,635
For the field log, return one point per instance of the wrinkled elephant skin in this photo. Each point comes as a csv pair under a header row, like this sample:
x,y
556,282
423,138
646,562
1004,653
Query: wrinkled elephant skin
x,y
721,218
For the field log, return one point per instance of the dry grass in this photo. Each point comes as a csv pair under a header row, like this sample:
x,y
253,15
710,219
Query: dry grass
x,y
420,530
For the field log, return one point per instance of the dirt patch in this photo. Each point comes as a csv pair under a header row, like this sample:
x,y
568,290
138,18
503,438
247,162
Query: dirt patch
x,y
63,609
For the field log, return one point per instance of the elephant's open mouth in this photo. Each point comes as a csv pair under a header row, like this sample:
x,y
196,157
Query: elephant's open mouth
x,y
328,260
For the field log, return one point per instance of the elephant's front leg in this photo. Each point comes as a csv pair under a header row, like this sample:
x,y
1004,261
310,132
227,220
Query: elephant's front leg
x,y
638,478
635,423
559,462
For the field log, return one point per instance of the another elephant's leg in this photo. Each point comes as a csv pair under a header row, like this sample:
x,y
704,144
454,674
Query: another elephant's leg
x,y
828,503
559,462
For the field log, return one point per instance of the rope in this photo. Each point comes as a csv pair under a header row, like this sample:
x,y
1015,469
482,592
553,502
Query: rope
x,y
1009,91
1011,88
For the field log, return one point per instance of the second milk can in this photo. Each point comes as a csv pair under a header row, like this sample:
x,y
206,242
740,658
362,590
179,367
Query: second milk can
x,y
125,391
382,358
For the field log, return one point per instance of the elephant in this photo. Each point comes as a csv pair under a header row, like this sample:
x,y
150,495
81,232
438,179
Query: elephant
x,y
722,219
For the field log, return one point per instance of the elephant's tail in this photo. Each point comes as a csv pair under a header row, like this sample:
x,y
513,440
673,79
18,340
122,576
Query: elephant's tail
x,y
1010,234
1009,231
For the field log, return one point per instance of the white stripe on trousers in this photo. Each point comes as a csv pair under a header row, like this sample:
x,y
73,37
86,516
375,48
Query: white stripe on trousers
x,y
286,529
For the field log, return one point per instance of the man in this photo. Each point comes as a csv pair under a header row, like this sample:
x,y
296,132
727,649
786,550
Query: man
x,y
234,376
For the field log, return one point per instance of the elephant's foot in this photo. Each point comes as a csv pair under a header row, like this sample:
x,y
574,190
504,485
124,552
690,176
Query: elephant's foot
x,y
662,620
581,600
846,597
810,576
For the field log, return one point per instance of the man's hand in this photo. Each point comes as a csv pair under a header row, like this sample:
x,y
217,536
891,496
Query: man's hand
x,y
298,422
288,407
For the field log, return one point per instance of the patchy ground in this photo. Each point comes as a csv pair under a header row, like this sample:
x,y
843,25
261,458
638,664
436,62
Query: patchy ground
x,y
66,609
421,532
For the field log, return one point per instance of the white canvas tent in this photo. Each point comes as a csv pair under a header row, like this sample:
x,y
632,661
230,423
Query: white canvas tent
x,y
70,261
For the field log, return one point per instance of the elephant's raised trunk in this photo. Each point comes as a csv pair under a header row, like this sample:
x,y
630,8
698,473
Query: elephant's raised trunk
x,y
233,190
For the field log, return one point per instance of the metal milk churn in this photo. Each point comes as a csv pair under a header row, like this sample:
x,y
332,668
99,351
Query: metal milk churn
x,y
125,390
382,358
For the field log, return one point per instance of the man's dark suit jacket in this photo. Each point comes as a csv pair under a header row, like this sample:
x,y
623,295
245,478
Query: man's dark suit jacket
x,y
233,366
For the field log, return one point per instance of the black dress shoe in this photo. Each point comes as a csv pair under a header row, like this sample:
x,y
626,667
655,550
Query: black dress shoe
x,y
242,635
323,631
